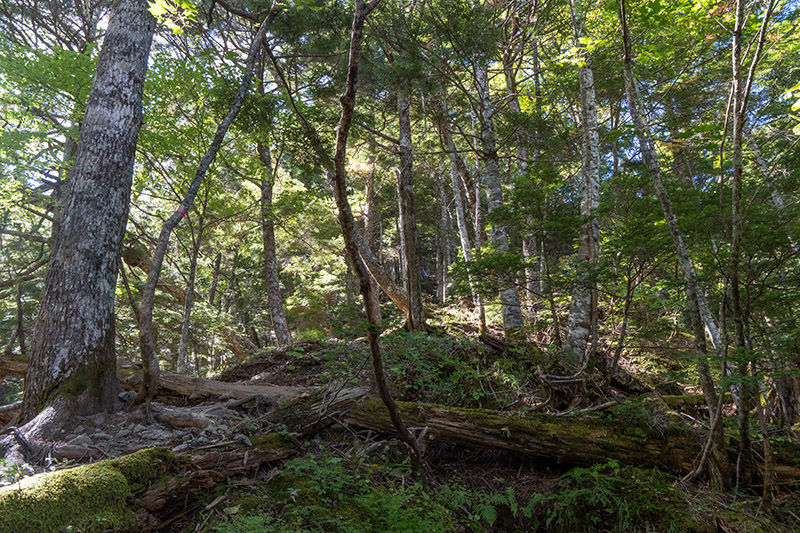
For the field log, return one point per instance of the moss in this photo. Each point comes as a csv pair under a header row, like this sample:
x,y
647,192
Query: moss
x,y
86,498
270,441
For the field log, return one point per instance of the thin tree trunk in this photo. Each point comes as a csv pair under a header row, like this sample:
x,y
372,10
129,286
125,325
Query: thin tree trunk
x,y
188,303
734,284
146,344
456,181
582,321
230,289
372,230
73,360
212,291
279,324
442,239
347,223
701,315
20,323
509,299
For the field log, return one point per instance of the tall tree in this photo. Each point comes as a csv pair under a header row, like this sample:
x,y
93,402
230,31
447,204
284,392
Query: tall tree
x,y
274,300
73,360
582,322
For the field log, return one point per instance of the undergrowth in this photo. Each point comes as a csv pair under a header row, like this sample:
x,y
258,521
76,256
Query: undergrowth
x,y
324,493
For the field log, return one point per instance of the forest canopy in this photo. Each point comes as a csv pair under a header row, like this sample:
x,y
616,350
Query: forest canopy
x,y
525,204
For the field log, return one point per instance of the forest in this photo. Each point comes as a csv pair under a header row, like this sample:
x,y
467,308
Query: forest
x,y
375,266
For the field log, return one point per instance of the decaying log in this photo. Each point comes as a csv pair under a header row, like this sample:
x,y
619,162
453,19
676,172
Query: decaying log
x,y
578,441
179,386
12,367
572,441
117,494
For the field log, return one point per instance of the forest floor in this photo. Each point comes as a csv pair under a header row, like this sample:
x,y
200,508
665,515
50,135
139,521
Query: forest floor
x,y
243,463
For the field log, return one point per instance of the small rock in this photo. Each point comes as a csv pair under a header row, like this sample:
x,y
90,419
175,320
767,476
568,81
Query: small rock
x,y
242,438
125,433
127,396
81,440
181,448
80,430
139,429
99,419
103,436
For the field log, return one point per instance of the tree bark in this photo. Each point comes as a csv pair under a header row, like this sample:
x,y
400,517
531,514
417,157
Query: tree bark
x,y
582,321
509,299
72,350
279,325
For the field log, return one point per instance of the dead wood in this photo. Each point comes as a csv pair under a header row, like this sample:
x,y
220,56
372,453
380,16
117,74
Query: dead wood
x,y
572,441
181,387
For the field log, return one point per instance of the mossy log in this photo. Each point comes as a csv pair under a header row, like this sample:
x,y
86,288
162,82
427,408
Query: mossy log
x,y
677,401
574,441
87,498
143,491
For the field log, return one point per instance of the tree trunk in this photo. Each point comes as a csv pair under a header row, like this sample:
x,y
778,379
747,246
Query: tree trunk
x,y
442,238
701,315
509,299
347,224
734,283
582,321
20,322
212,291
189,302
415,319
72,351
146,344
457,172
279,325
372,229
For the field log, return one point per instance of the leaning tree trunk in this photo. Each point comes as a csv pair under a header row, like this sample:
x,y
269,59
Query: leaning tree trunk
x,y
279,324
73,361
701,315
146,344
509,299
582,319
347,223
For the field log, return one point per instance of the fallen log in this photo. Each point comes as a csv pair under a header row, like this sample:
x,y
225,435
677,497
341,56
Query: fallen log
x,y
10,366
119,494
183,387
575,441
572,441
